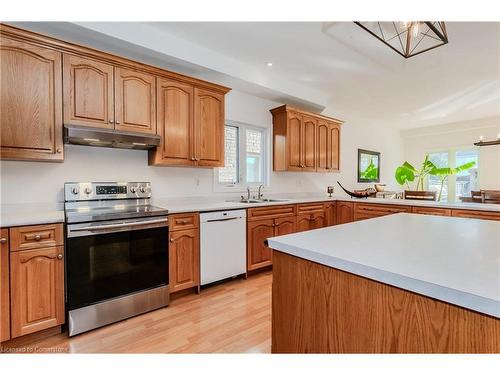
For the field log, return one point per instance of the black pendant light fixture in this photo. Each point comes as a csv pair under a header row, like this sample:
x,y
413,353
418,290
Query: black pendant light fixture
x,y
408,38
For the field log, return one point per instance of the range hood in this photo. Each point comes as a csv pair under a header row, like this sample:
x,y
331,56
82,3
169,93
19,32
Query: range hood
x,y
83,135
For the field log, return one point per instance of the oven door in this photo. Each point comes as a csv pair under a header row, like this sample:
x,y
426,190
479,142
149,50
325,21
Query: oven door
x,y
105,260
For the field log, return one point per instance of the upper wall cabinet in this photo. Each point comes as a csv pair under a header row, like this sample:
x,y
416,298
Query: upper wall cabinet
x,y
46,83
305,141
30,102
191,126
99,95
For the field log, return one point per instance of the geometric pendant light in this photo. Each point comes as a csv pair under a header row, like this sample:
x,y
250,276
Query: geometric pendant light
x,y
408,38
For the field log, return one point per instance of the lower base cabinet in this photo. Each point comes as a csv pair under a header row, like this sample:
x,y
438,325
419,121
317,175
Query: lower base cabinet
x,y
184,252
344,212
37,290
4,286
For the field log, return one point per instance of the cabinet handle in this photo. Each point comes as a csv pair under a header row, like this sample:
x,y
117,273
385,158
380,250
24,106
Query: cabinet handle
x,y
182,221
3,240
59,150
193,159
59,256
38,237
117,122
111,121
171,240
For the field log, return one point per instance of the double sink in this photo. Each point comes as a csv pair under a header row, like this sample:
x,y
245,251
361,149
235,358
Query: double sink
x,y
261,200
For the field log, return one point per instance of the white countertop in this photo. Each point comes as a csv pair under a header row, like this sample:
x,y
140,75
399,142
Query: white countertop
x,y
455,260
38,213
13,215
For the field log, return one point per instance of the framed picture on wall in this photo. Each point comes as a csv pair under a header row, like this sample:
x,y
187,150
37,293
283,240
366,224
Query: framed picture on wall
x,y
368,166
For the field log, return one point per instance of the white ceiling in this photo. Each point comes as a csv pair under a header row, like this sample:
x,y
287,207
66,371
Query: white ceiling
x,y
456,82
336,65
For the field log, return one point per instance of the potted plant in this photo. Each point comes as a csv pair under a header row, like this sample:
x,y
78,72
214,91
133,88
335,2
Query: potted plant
x,y
407,173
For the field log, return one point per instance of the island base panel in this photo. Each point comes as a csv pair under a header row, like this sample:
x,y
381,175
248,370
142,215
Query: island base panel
x,y
319,309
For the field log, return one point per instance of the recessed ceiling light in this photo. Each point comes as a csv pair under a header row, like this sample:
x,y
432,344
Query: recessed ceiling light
x,y
269,64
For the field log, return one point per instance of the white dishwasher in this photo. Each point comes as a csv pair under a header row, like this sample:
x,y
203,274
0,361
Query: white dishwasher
x,y
222,245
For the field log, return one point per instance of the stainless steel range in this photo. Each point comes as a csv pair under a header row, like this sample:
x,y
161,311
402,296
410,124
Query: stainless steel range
x,y
116,253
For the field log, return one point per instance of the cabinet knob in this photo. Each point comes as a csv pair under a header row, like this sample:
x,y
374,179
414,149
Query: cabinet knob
x,y
59,150
59,256
117,122
171,240
3,240
38,237
111,121
193,159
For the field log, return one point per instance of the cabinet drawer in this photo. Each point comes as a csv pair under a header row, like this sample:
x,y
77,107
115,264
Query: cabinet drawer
x,y
310,208
431,211
183,221
271,212
36,237
486,215
367,211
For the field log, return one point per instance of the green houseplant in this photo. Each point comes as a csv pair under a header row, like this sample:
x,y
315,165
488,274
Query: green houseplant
x,y
407,173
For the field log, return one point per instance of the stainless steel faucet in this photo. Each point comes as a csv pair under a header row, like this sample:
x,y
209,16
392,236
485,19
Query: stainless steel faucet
x,y
248,192
259,195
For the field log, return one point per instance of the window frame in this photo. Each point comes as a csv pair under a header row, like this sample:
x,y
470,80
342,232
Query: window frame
x,y
241,185
452,163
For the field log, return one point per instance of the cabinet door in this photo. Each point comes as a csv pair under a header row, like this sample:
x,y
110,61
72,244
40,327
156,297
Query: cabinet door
x,y
175,124
30,102
258,254
304,222
184,259
333,150
330,214
285,225
88,92
135,101
318,220
309,143
4,286
345,212
209,128
37,287
323,147
294,135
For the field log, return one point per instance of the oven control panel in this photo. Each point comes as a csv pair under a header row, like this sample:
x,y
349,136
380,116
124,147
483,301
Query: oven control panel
x,y
83,191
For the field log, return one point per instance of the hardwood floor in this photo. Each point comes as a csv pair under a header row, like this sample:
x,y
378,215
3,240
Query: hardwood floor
x,y
234,317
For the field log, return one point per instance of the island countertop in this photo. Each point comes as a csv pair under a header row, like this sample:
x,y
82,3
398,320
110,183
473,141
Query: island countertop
x,y
454,260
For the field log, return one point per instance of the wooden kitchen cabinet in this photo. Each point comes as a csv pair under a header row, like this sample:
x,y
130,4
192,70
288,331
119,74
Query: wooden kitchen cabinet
x,y
208,128
431,211
30,102
312,220
37,289
330,214
4,286
175,124
344,212
258,254
88,92
184,259
135,101
364,211
485,215
305,141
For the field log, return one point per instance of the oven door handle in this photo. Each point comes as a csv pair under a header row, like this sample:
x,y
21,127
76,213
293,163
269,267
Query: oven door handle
x,y
119,226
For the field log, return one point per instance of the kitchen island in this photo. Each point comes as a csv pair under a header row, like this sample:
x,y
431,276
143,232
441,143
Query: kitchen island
x,y
402,283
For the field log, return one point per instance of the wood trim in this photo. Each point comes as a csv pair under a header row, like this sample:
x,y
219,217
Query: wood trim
x,y
366,210
4,287
271,212
185,221
307,208
36,237
105,57
286,107
319,309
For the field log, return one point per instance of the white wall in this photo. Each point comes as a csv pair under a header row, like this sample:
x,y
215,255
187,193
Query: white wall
x,y
42,182
418,142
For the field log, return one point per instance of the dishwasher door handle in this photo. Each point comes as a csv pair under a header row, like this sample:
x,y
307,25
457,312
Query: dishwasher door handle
x,y
226,219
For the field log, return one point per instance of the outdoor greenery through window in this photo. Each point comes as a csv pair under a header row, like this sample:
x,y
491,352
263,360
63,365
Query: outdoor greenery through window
x,y
461,184
245,156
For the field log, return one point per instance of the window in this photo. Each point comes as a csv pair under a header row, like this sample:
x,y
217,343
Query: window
x,y
246,162
458,185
